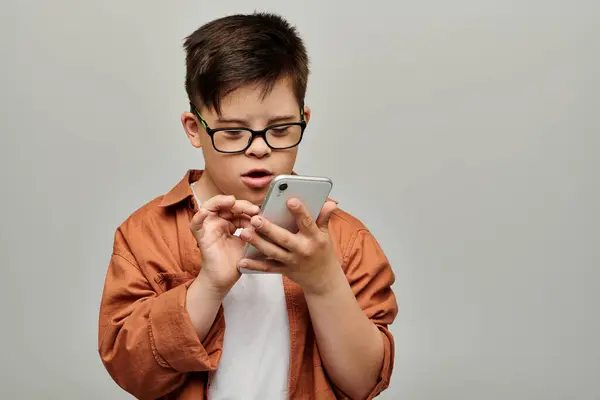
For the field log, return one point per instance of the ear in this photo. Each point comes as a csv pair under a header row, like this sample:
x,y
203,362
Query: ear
x,y
307,114
192,128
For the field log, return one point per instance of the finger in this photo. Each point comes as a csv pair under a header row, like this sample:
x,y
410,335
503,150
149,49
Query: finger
x,y
239,223
225,214
326,212
198,220
278,235
304,220
243,221
218,203
265,247
269,266
237,211
245,207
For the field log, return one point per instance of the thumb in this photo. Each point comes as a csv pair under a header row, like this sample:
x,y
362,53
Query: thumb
x,y
326,213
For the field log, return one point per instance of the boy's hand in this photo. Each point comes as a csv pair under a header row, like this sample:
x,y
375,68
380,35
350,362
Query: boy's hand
x,y
307,257
213,227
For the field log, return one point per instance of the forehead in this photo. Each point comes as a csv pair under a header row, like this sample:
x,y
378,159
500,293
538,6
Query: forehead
x,y
252,101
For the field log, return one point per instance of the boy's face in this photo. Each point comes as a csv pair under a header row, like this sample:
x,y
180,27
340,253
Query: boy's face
x,y
247,174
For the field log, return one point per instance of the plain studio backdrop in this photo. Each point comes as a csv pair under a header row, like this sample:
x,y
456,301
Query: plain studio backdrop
x,y
464,134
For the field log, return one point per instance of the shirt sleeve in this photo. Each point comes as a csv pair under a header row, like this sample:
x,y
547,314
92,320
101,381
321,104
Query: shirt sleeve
x,y
371,278
146,340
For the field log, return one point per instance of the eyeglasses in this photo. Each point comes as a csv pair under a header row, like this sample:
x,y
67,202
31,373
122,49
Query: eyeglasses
x,y
237,140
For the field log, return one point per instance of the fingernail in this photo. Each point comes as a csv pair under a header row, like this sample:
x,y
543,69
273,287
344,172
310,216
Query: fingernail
x,y
246,235
257,222
242,264
294,203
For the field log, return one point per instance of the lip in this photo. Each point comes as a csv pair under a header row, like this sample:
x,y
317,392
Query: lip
x,y
258,182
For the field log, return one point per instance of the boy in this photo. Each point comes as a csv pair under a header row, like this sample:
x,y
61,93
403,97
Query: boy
x,y
177,319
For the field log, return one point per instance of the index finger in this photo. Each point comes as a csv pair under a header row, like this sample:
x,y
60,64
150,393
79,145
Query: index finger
x,y
245,207
219,203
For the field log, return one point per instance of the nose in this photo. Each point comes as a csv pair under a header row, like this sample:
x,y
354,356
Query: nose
x,y
258,148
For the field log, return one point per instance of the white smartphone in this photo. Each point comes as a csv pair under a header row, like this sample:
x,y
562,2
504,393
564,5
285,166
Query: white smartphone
x,y
311,191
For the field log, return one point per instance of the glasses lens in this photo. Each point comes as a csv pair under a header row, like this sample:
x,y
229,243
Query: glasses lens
x,y
231,140
284,136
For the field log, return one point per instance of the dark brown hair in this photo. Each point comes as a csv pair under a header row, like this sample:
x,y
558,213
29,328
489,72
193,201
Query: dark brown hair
x,y
230,52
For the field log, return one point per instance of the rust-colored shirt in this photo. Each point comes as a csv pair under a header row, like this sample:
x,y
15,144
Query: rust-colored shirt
x,y
146,339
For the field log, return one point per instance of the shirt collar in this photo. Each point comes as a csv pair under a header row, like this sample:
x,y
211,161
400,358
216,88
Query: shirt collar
x,y
182,190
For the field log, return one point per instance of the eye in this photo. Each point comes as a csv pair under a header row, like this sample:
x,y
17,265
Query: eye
x,y
233,133
282,130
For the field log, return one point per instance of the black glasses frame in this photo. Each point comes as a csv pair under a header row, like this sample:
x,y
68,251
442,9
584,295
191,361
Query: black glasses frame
x,y
260,133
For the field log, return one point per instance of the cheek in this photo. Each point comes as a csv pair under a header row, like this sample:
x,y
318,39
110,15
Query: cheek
x,y
222,167
217,162
206,143
286,160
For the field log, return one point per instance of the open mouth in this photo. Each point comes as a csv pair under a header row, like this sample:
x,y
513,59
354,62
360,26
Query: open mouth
x,y
258,174
257,178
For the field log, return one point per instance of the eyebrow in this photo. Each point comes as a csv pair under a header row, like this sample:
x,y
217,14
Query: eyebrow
x,y
273,120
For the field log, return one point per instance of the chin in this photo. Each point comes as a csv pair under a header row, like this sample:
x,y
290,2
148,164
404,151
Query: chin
x,y
256,197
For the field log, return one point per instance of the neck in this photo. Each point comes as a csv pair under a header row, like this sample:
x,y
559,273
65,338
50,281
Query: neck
x,y
205,188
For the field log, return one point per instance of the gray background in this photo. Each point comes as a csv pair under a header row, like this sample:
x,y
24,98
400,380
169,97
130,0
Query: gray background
x,y
465,134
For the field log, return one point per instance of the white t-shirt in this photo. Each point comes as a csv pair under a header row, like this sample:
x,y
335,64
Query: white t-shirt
x,y
256,349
